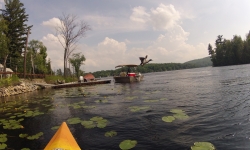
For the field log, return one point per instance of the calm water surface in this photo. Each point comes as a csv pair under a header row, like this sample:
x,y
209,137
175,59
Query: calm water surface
x,y
217,101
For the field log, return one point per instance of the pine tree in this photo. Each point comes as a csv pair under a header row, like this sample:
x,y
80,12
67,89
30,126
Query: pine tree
x,y
14,13
4,51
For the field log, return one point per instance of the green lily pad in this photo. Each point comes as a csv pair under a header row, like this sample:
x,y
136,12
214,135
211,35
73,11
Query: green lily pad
x,y
3,138
74,120
111,133
36,136
25,149
168,118
127,144
88,124
23,135
55,127
95,122
177,111
138,108
96,118
163,99
3,145
181,116
101,124
88,106
131,97
203,146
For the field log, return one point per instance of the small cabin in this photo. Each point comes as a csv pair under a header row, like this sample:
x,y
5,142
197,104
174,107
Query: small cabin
x,y
87,78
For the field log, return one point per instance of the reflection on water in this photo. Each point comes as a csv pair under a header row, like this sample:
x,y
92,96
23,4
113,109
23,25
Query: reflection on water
x,y
216,100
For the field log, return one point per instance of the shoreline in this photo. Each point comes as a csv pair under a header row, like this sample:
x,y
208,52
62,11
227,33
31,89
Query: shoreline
x,y
24,87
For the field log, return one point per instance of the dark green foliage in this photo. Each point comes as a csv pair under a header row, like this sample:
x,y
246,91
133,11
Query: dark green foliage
x,y
15,15
76,61
36,58
150,68
230,52
14,80
51,79
203,62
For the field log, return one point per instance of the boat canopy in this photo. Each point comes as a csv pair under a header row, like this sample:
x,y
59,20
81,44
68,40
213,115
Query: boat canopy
x,y
126,65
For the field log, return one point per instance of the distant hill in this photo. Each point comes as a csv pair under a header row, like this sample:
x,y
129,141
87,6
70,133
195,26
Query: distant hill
x,y
153,67
203,62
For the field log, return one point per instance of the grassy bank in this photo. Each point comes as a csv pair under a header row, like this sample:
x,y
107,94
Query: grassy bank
x,y
11,81
53,79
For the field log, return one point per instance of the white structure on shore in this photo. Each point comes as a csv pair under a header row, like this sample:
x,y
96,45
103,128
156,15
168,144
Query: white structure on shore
x,y
7,70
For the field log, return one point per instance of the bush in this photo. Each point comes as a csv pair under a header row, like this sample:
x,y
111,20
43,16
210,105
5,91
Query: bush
x,y
10,81
53,79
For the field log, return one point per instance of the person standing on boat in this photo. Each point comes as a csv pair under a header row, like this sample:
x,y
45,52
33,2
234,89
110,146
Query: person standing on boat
x,y
129,70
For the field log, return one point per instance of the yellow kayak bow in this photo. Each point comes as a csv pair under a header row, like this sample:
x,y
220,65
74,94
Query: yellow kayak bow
x,y
62,140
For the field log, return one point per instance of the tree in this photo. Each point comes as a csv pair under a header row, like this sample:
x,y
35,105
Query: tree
x,y
76,61
37,53
59,72
4,51
71,32
15,15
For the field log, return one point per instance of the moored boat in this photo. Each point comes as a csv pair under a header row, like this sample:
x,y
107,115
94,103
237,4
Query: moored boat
x,y
129,76
62,140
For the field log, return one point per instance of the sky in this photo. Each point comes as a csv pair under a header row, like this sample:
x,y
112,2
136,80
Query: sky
x,y
122,31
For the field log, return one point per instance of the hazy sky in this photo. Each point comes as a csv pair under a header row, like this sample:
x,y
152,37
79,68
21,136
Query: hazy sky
x,y
123,30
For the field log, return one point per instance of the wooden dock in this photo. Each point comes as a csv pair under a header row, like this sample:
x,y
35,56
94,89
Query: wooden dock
x,y
73,84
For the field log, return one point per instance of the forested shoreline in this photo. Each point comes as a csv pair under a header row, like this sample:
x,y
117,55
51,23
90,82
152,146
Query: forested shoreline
x,y
154,67
230,52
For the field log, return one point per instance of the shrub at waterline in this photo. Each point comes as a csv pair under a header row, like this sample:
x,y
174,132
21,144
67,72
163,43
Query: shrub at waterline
x,y
53,79
10,81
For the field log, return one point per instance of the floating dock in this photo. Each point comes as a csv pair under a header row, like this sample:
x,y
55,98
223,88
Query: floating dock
x,y
73,84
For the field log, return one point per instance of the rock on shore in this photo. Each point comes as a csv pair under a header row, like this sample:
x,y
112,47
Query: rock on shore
x,y
25,86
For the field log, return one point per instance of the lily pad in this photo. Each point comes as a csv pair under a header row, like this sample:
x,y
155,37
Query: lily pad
x,y
138,108
95,122
36,136
55,127
111,133
23,135
74,120
131,97
177,111
101,124
88,106
181,116
127,144
168,118
25,149
163,99
202,146
88,124
96,118
3,145
3,138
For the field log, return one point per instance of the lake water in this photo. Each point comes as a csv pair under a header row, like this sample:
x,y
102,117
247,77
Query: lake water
x,y
217,101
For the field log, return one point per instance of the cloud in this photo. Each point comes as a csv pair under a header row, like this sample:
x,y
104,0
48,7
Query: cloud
x,y
169,47
54,22
163,17
1,4
54,49
140,15
111,24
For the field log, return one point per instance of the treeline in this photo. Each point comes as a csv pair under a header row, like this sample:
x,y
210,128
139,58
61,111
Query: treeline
x,y
230,52
147,68
15,52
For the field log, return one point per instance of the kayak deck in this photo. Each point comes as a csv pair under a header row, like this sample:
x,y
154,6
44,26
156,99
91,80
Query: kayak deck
x,y
63,140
